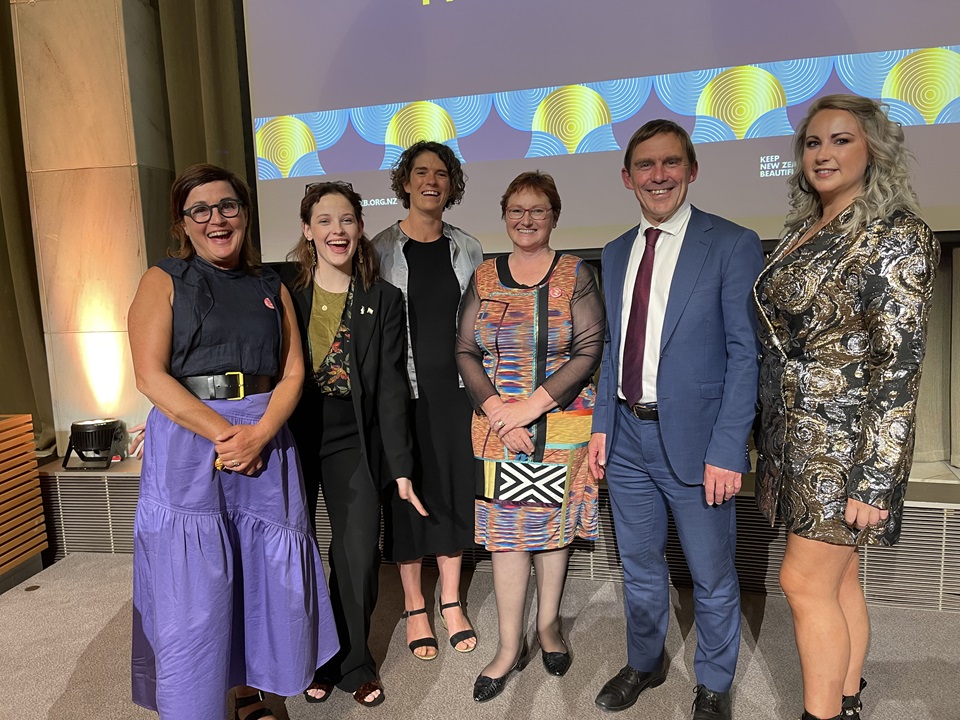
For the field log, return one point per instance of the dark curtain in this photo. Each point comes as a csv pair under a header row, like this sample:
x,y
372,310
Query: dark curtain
x,y
24,380
204,56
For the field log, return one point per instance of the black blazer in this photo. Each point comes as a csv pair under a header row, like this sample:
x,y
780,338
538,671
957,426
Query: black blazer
x,y
377,370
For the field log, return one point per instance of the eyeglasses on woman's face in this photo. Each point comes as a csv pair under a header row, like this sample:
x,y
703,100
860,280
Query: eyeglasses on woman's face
x,y
201,212
537,213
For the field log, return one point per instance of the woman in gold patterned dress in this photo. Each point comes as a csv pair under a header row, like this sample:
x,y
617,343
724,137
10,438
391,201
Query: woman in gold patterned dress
x,y
843,306
530,338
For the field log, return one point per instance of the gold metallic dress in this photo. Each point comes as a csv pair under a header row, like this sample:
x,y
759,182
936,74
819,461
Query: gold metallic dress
x,y
843,322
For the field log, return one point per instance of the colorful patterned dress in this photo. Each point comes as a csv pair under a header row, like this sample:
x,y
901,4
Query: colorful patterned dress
x,y
513,339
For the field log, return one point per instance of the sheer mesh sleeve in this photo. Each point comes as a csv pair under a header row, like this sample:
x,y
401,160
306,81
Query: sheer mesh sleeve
x,y
469,356
586,346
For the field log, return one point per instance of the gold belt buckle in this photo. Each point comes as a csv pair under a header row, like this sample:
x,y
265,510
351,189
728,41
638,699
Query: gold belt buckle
x,y
239,376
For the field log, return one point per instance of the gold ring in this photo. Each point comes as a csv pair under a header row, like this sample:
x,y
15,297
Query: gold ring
x,y
218,463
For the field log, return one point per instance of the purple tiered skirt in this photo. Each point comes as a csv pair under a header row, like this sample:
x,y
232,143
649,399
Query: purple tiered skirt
x,y
228,585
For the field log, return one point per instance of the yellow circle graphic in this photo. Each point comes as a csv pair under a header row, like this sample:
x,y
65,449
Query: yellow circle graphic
x,y
420,121
740,96
570,113
283,141
927,79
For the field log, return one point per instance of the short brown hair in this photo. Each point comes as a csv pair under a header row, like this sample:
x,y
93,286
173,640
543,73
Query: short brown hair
x,y
192,178
655,127
535,181
366,262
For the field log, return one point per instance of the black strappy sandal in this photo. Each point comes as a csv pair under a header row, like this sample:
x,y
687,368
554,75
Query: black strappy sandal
x,y
242,702
459,637
421,642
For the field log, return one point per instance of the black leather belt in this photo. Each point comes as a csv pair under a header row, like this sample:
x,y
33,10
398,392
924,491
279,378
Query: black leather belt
x,y
229,386
643,411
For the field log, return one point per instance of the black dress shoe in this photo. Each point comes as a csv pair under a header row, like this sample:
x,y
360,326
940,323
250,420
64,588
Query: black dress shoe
x,y
622,690
556,663
710,705
487,688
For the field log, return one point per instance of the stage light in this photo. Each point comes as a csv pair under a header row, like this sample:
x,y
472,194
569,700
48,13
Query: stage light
x,y
95,442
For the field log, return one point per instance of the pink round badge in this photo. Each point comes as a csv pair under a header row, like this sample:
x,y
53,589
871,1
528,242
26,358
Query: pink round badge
x,y
269,303
555,292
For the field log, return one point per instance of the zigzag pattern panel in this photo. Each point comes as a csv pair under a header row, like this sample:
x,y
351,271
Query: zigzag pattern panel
x,y
528,482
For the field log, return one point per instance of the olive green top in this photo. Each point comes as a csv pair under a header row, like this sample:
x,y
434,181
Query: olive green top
x,y
325,314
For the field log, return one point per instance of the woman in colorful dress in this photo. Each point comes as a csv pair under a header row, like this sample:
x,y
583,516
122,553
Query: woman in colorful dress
x,y
432,262
530,339
354,406
843,306
228,586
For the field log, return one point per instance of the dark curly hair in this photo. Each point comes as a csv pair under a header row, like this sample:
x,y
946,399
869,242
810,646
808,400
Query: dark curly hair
x,y
403,168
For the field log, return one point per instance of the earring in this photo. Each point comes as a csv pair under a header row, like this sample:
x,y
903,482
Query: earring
x,y
804,185
360,253
313,251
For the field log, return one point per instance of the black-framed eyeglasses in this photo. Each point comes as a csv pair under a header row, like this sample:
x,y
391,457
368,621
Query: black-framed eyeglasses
x,y
201,212
537,213
332,183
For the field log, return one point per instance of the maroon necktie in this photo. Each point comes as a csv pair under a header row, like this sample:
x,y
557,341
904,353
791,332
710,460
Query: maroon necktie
x,y
637,325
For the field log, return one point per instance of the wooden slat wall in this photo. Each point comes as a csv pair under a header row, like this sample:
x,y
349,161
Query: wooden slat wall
x,y
22,530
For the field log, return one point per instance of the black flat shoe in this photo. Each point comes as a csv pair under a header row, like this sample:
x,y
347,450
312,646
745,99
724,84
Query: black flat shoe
x,y
623,689
556,663
487,688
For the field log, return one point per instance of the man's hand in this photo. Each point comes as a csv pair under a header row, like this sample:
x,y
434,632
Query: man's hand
x,y
597,454
719,484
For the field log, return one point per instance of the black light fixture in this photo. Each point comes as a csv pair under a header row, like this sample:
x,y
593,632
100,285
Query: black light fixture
x,y
95,442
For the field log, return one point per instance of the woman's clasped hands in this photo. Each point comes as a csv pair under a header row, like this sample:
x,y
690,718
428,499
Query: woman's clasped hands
x,y
238,448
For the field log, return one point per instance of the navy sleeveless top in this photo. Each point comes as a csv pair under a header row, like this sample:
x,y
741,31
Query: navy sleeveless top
x,y
223,320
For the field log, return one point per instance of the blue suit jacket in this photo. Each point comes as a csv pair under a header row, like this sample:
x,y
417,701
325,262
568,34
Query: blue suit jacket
x,y
707,377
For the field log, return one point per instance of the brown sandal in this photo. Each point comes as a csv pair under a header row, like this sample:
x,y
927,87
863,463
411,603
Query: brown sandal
x,y
360,694
324,687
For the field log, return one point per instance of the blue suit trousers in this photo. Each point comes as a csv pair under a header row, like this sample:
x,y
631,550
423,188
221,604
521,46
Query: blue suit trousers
x,y
643,487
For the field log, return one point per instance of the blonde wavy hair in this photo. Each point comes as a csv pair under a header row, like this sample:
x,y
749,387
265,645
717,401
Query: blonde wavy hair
x,y
886,183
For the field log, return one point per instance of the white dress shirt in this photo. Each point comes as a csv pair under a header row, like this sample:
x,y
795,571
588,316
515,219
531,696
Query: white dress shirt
x,y
667,250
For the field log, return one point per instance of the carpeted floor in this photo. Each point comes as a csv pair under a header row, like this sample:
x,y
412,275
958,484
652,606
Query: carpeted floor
x,y
64,654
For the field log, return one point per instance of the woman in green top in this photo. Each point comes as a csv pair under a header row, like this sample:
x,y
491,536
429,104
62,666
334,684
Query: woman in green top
x,y
352,327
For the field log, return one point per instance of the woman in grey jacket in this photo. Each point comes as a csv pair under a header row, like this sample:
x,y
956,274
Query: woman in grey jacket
x,y
432,262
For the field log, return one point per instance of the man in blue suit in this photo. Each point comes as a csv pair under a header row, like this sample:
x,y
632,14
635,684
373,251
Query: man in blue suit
x,y
675,403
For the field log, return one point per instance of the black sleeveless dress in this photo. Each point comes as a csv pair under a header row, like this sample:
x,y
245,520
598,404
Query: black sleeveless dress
x,y
444,468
